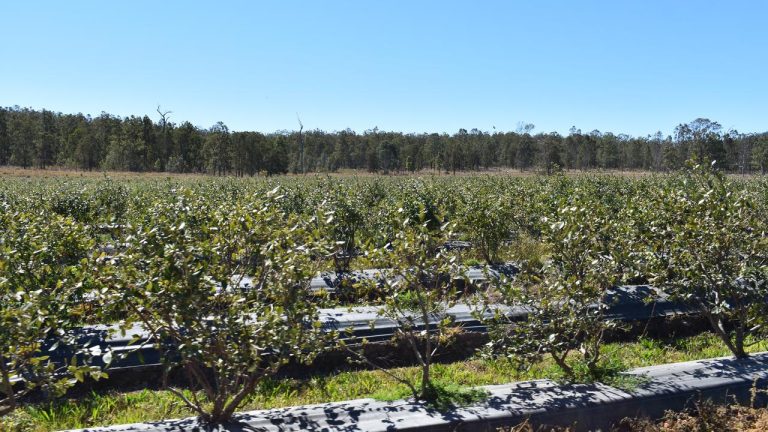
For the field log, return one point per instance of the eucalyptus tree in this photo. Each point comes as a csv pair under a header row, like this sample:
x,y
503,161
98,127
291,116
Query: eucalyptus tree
x,y
87,143
24,135
187,141
46,145
182,278
217,148
5,138
701,138
759,153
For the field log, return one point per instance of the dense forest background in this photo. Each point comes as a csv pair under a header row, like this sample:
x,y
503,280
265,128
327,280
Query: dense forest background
x,y
42,139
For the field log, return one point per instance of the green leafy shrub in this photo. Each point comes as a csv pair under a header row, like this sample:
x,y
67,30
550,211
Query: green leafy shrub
x,y
181,276
44,273
488,219
565,298
703,240
419,286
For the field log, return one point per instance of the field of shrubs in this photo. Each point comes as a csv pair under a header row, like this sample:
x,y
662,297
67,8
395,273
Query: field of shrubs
x,y
170,255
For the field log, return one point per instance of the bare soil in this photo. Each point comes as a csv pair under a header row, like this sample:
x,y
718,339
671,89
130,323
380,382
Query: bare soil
x,y
705,417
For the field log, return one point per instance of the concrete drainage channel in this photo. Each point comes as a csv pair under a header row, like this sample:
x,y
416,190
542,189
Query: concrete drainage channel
x,y
584,406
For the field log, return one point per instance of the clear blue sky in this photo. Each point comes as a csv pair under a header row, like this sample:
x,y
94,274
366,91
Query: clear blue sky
x,y
414,66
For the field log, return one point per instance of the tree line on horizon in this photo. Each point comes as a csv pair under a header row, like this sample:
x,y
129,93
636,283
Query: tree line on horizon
x,y
42,139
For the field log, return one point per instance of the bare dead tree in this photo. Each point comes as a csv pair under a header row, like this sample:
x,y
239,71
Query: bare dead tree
x,y
301,144
164,116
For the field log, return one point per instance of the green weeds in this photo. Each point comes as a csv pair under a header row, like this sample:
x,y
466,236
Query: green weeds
x,y
455,383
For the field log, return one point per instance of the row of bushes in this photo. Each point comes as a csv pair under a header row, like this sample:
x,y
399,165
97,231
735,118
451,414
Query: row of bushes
x,y
698,235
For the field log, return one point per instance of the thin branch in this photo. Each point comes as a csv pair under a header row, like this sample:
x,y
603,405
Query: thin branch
x,y
196,407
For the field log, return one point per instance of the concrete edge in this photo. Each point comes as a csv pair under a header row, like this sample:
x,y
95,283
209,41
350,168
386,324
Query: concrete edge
x,y
597,406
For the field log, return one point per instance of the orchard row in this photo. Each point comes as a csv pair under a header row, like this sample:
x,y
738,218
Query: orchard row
x,y
168,255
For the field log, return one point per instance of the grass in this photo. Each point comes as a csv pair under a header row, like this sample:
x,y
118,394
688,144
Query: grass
x,y
455,380
57,172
